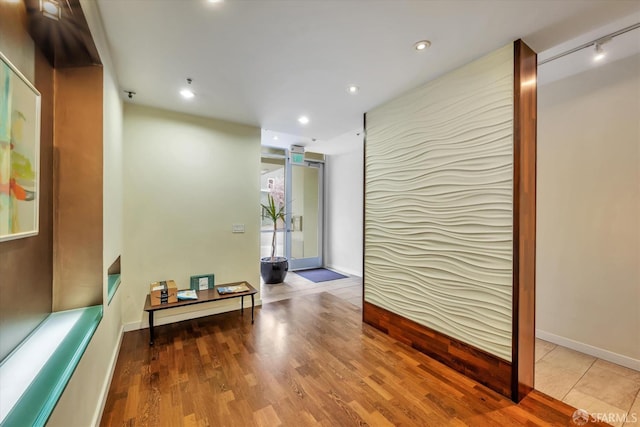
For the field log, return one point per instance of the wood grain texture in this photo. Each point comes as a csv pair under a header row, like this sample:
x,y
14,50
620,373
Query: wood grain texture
x,y
307,361
205,295
524,219
477,364
78,153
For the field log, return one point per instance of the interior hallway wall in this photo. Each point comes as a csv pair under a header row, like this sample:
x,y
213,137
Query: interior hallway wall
x,y
83,399
26,264
187,180
588,248
343,203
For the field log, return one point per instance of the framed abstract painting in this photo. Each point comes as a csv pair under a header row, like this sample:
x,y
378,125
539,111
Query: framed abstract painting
x,y
19,153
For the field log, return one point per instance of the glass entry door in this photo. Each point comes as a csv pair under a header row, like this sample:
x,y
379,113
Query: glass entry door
x,y
300,236
304,218
272,178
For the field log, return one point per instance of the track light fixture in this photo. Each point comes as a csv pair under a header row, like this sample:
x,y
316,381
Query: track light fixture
x,y
599,52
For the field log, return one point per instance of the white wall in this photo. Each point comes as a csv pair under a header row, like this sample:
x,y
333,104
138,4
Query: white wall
x,y
82,402
186,181
588,219
439,204
343,203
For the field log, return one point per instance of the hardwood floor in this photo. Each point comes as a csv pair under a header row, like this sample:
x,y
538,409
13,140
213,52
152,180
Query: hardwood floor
x,y
308,360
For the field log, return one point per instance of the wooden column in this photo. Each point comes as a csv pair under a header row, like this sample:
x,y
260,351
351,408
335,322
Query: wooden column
x,y
524,219
77,235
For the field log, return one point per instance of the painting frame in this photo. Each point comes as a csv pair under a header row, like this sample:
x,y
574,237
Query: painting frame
x,y
20,104
197,282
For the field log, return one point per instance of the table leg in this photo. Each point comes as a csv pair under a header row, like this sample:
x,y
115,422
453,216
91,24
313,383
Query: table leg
x,y
242,306
151,328
252,305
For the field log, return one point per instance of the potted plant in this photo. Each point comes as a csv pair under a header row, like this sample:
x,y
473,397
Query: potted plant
x,y
273,269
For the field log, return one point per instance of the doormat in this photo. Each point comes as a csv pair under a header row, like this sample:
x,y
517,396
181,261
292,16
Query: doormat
x,y
320,275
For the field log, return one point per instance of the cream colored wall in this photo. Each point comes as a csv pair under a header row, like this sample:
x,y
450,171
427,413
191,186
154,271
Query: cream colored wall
x,y
438,204
82,402
186,181
588,224
343,206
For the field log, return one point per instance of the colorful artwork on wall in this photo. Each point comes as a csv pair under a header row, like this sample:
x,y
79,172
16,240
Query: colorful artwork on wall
x,y
19,153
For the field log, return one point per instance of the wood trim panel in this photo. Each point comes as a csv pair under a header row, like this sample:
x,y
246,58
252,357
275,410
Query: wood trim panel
x,y
524,219
78,161
477,364
364,204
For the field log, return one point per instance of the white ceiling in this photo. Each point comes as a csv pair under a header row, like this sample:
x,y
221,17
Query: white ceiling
x,y
266,62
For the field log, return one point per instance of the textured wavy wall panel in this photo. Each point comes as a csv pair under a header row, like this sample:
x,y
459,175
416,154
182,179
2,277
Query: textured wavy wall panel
x,y
438,204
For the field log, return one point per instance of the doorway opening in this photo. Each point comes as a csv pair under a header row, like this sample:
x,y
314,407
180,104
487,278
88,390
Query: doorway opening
x,y
300,236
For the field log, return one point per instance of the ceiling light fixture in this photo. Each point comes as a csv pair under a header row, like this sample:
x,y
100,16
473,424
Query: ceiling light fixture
x,y
588,45
275,137
215,1
353,89
422,45
187,93
303,120
599,52
51,9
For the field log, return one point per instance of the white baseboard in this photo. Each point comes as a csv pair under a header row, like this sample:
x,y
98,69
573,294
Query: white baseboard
x,y
104,393
342,270
231,305
600,353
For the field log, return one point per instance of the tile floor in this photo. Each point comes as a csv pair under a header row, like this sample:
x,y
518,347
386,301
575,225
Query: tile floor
x,y
349,289
588,383
577,379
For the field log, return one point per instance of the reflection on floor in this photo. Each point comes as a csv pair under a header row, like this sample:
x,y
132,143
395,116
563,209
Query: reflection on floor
x,y
580,380
586,382
349,289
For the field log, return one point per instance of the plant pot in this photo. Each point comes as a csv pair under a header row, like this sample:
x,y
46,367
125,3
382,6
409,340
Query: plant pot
x,y
274,270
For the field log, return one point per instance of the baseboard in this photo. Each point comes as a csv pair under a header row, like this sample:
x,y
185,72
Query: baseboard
x,y
107,384
600,353
477,364
188,315
343,270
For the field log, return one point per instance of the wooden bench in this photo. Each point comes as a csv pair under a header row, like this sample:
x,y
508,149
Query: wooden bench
x,y
206,295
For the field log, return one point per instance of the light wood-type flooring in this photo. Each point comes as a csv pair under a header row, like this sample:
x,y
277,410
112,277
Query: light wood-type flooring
x,y
307,360
580,380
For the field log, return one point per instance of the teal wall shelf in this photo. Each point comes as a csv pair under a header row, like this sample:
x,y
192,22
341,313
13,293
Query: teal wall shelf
x,y
113,281
40,398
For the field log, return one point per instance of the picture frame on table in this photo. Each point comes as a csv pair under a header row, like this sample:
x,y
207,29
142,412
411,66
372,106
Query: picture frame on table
x,y
202,282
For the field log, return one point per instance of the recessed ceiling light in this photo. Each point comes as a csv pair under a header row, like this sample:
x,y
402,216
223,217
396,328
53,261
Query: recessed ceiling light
x,y
353,89
422,45
186,92
303,120
275,137
215,1
51,9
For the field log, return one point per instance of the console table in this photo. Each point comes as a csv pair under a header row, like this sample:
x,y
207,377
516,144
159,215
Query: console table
x,y
206,295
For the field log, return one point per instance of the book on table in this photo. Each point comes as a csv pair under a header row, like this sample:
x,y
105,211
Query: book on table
x,y
187,295
232,289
